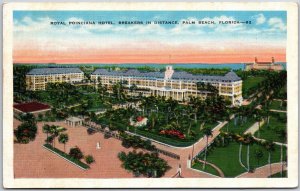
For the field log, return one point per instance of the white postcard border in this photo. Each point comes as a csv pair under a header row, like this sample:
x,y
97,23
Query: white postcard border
x,y
292,68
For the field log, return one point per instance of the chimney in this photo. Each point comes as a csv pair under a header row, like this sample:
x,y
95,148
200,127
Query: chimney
x,y
255,60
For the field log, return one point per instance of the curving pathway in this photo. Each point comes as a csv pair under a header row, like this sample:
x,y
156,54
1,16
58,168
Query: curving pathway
x,y
264,171
215,167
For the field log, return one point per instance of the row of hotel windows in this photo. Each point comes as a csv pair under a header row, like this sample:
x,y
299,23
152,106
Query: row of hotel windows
x,y
138,81
53,78
96,76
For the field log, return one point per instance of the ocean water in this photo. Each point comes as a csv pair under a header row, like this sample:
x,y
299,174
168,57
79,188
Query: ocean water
x,y
232,66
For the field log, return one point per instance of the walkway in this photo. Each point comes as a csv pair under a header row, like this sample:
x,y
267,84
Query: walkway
x,y
277,143
221,174
264,171
280,111
254,128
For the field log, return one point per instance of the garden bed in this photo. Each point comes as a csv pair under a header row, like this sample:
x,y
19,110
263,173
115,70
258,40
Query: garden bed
x,y
65,156
173,141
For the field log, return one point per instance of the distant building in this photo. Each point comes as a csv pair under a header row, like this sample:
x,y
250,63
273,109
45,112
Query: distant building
x,y
178,85
37,78
264,65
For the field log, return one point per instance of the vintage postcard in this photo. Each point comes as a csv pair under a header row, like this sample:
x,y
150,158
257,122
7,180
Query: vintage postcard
x,y
150,95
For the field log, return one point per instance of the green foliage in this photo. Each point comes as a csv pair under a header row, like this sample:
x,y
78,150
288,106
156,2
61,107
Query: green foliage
x,y
89,159
68,157
226,156
76,153
136,142
146,164
27,131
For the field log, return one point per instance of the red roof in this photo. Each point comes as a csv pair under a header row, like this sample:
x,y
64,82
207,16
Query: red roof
x,y
31,107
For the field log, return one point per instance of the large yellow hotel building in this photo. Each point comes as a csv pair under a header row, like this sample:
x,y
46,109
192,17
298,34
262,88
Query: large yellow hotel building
x,y
179,85
37,78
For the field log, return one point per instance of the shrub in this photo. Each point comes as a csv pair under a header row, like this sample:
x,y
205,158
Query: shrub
x,y
26,132
76,153
147,164
107,135
90,131
89,159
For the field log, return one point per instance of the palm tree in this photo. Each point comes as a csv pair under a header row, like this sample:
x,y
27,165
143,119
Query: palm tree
x,y
258,119
63,138
55,131
207,132
248,140
240,139
270,147
258,155
46,129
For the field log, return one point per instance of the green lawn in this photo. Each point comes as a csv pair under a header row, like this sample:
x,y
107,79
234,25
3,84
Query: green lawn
x,y
240,126
272,132
278,175
250,83
208,168
172,140
227,158
275,104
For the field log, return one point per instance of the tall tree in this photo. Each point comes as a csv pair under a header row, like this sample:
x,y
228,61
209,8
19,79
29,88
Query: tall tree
x,y
270,147
63,138
208,133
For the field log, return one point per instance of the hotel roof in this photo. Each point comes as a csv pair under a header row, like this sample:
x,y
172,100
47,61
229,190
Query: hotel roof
x,y
179,75
45,71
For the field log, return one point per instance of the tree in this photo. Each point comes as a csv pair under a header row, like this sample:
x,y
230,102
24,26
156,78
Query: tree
x,y
63,138
46,129
248,140
28,117
89,159
258,119
26,132
55,131
208,133
270,147
258,155
240,139
76,153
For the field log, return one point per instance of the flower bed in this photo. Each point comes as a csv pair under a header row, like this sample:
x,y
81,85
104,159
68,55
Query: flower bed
x,y
67,157
174,133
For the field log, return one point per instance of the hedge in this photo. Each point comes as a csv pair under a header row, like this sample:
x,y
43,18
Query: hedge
x,y
66,156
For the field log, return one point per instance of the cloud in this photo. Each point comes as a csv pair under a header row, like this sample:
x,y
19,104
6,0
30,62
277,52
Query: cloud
x,y
260,19
277,24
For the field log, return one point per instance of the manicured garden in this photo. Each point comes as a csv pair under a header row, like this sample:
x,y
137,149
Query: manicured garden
x,y
276,130
172,139
227,157
250,84
239,124
208,168
278,105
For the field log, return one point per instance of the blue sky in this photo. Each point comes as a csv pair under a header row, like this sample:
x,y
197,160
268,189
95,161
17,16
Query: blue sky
x,y
267,29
